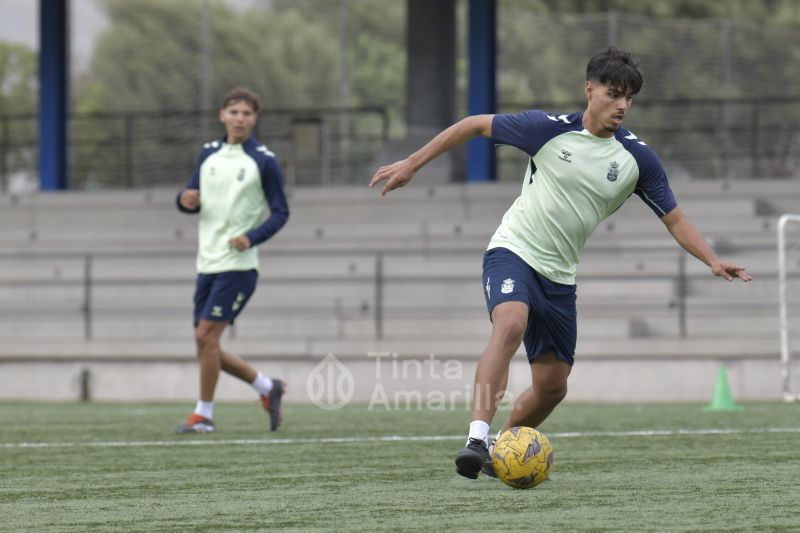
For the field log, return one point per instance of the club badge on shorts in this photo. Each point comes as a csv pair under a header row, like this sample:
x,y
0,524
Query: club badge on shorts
x,y
508,286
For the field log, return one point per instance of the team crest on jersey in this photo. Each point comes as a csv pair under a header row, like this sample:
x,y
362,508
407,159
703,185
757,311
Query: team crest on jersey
x,y
508,286
240,177
613,171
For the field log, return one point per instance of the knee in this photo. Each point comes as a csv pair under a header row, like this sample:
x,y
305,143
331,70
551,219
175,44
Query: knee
x,y
510,330
206,340
553,392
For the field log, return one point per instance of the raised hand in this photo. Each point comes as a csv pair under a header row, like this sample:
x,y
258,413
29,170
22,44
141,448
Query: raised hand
x,y
729,271
395,175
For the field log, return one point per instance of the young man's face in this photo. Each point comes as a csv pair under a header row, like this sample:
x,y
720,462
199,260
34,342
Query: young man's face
x,y
239,119
606,107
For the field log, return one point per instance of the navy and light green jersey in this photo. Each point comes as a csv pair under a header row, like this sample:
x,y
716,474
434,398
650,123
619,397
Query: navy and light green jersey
x,y
574,180
237,182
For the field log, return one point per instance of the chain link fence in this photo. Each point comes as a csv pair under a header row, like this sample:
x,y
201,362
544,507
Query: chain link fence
x,y
147,75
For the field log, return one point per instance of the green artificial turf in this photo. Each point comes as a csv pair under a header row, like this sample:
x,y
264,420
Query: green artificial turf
x,y
120,467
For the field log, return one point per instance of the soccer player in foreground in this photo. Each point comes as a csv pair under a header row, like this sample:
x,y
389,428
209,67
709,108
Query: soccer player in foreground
x,y
234,181
581,169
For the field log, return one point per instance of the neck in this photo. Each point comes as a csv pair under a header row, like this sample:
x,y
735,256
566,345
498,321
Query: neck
x,y
593,128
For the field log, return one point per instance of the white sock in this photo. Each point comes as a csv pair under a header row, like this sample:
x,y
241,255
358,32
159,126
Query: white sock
x,y
261,384
478,429
205,409
491,444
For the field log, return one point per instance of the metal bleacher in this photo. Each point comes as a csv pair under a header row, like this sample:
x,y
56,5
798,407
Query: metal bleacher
x,y
107,276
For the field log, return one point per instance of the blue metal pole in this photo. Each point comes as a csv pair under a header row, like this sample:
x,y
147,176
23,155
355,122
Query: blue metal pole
x,y
53,80
482,96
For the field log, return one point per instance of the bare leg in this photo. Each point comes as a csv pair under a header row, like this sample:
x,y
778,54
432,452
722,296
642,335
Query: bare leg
x,y
207,335
238,367
534,405
509,321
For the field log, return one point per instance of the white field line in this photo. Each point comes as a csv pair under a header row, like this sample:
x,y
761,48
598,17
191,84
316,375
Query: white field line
x,y
387,438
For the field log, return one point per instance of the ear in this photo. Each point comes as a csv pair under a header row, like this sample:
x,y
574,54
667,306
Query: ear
x,y
221,115
588,88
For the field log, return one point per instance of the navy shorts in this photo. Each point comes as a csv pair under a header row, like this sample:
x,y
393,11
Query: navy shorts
x,y
552,315
221,297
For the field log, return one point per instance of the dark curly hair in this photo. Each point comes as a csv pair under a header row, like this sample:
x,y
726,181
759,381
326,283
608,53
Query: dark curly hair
x,y
616,68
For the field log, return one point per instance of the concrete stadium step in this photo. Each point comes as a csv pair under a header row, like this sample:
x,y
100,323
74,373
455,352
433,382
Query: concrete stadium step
x,y
723,189
764,289
622,265
676,349
273,267
346,291
41,295
155,209
177,325
442,266
481,328
378,242
31,329
746,326
622,226
141,351
249,327
417,229
154,297
112,347
16,268
589,348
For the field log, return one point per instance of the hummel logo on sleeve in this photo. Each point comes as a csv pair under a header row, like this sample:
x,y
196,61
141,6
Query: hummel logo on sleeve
x,y
562,118
565,156
633,137
265,150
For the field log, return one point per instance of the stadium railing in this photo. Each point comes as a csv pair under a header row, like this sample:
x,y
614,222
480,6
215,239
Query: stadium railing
x,y
375,285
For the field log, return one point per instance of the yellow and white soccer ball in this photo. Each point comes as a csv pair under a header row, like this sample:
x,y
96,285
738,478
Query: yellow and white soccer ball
x,y
522,457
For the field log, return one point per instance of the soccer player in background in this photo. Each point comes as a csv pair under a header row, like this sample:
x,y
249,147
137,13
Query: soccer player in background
x,y
234,181
581,168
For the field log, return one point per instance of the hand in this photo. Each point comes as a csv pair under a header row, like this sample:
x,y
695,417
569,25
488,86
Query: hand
x,y
241,243
190,199
730,271
396,175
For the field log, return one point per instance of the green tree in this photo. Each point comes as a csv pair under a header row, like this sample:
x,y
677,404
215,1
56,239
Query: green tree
x,y
18,79
18,93
150,61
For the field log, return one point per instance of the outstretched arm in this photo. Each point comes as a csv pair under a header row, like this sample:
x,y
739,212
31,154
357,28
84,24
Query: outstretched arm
x,y
400,173
687,235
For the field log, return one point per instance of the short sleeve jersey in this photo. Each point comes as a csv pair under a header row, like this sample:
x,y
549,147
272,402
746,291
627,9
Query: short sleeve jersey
x,y
237,182
574,180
